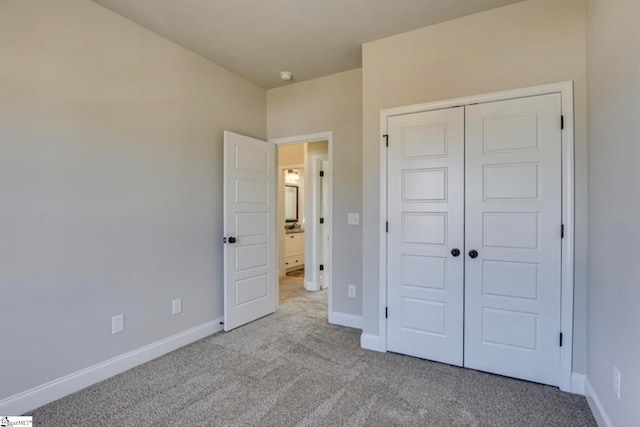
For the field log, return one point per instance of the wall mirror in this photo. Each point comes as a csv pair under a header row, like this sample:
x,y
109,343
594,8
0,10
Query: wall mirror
x,y
291,203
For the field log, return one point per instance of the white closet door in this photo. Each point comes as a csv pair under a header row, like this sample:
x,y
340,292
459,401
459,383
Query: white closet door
x,y
425,203
513,221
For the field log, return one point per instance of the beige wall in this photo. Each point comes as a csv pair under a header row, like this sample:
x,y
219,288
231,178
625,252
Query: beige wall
x,y
332,103
613,42
289,155
319,147
111,185
525,44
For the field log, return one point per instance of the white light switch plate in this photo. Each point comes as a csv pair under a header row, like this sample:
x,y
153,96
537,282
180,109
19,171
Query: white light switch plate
x,y
353,219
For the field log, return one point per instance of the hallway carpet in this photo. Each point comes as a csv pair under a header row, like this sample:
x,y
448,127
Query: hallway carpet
x,y
292,287
293,369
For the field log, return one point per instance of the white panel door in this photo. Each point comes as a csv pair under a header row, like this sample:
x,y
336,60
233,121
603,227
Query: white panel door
x,y
513,223
250,271
425,203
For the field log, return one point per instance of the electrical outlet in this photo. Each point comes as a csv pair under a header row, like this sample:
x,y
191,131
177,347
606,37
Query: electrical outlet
x,y
176,306
117,324
616,381
351,290
353,219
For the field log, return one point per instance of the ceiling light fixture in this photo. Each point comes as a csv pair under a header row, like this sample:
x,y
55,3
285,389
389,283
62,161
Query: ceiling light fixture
x,y
292,176
286,76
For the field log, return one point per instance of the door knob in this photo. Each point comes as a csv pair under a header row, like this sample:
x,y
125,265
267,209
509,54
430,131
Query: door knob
x,y
473,253
232,239
455,252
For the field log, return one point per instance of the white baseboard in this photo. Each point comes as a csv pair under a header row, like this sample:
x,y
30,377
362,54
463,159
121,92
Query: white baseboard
x,y
344,319
596,406
58,388
577,383
372,342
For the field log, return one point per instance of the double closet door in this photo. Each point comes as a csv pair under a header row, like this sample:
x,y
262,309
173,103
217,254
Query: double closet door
x,y
474,241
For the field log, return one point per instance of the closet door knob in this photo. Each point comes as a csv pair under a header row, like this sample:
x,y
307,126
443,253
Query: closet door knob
x,y
455,252
473,253
232,239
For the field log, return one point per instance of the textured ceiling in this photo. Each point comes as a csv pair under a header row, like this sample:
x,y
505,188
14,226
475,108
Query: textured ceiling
x,y
257,39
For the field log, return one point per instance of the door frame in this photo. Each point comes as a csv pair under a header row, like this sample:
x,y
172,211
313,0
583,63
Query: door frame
x,y
309,258
315,168
565,89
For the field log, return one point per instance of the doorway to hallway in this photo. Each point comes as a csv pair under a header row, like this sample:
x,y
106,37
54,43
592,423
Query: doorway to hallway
x,y
304,217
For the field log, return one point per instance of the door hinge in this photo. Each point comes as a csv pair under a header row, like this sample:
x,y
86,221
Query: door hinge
x,y
562,231
321,174
387,226
321,267
386,137
561,122
386,312
560,339
321,220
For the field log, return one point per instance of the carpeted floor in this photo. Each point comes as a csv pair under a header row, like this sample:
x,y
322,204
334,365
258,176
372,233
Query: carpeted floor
x,y
292,286
294,369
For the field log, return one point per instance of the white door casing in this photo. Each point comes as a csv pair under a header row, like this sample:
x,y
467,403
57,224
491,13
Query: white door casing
x,y
250,262
379,341
426,213
323,238
308,138
513,220
510,159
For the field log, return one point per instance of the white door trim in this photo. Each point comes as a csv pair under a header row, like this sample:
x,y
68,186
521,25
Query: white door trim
x,y
566,323
315,206
310,260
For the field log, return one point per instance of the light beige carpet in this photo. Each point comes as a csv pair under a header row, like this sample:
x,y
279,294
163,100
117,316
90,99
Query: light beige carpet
x,y
292,286
294,369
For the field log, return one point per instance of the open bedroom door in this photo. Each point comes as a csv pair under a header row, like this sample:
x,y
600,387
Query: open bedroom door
x,y
250,257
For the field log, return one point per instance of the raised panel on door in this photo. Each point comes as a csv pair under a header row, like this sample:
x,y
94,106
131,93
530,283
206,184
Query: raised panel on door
x,y
513,220
425,213
250,276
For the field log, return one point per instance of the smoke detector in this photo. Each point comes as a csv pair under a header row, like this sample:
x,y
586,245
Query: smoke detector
x,y
286,76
